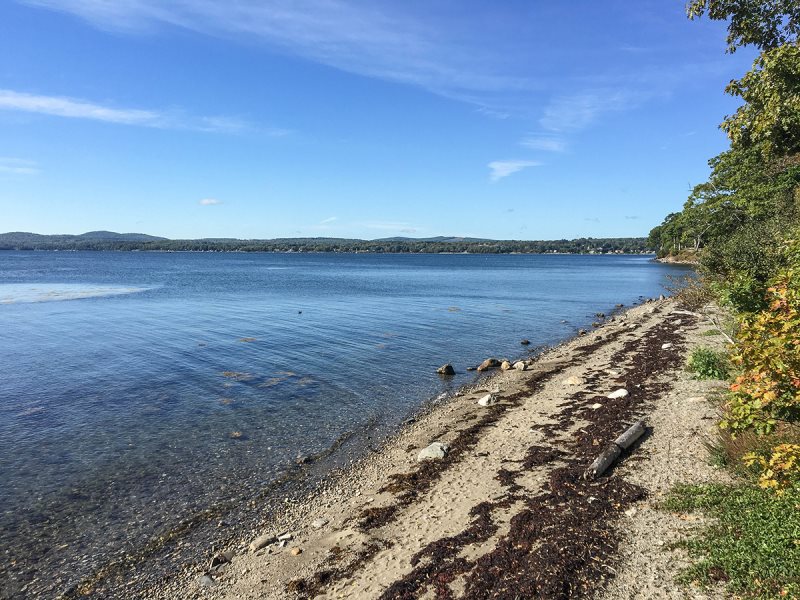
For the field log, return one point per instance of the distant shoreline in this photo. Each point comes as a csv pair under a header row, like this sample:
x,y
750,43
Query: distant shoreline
x,y
130,242
239,251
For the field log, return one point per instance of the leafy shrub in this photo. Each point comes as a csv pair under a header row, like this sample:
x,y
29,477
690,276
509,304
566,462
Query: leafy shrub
x,y
691,291
780,470
706,363
743,263
768,352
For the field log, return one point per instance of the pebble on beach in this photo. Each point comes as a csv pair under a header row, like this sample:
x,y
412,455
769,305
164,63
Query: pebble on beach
x,y
261,541
620,393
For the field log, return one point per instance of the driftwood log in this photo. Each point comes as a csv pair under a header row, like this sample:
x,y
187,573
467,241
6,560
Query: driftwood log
x,y
612,452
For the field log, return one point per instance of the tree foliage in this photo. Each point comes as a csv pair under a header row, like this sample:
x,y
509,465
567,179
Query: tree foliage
x,y
769,119
763,23
744,221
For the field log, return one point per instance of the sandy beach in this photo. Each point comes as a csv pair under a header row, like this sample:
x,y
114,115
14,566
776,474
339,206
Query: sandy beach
x,y
506,512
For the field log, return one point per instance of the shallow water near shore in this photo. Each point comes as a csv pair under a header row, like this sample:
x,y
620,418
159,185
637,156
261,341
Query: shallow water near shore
x,y
139,388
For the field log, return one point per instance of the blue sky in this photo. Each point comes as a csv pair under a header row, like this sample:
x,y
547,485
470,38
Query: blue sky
x,y
508,119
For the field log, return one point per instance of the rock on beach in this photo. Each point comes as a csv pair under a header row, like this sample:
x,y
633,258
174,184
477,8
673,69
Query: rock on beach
x,y
487,400
261,541
489,363
435,451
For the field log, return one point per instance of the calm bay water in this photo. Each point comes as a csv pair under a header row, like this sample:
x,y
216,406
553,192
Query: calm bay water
x,y
138,388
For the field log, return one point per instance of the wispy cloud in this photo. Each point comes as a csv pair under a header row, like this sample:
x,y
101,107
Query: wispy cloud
x,y
504,168
576,111
67,107
546,143
209,202
632,217
328,220
73,108
18,166
384,40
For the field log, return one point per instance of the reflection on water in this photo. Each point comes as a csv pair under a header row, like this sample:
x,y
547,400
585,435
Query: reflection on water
x,y
14,293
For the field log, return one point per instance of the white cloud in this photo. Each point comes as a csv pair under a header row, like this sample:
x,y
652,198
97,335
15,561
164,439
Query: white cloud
x,y
62,106
577,111
67,107
504,168
18,166
328,220
545,143
209,202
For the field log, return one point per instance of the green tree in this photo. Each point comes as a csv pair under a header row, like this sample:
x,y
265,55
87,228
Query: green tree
x,y
765,24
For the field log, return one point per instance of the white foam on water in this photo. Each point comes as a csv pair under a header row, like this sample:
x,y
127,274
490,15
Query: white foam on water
x,y
19,293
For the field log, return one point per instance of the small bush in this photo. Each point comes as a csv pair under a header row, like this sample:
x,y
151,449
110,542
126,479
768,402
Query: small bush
x,y
780,470
690,291
708,364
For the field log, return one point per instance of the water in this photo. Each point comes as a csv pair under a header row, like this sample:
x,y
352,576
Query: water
x,y
139,388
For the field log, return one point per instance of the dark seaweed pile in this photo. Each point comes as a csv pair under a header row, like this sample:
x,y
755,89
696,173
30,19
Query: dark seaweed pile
x,y
562,543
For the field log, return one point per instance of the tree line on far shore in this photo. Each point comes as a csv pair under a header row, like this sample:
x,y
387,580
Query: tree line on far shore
x,y
577,246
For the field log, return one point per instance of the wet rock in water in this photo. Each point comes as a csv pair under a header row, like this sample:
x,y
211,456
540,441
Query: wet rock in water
x,y
574,380
620,305
489,363
505,365
581,332
525,342
435,451
319,523
620,393
520,365
487,400
666,346
446,370
596,324
600,315
261,541
472,368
